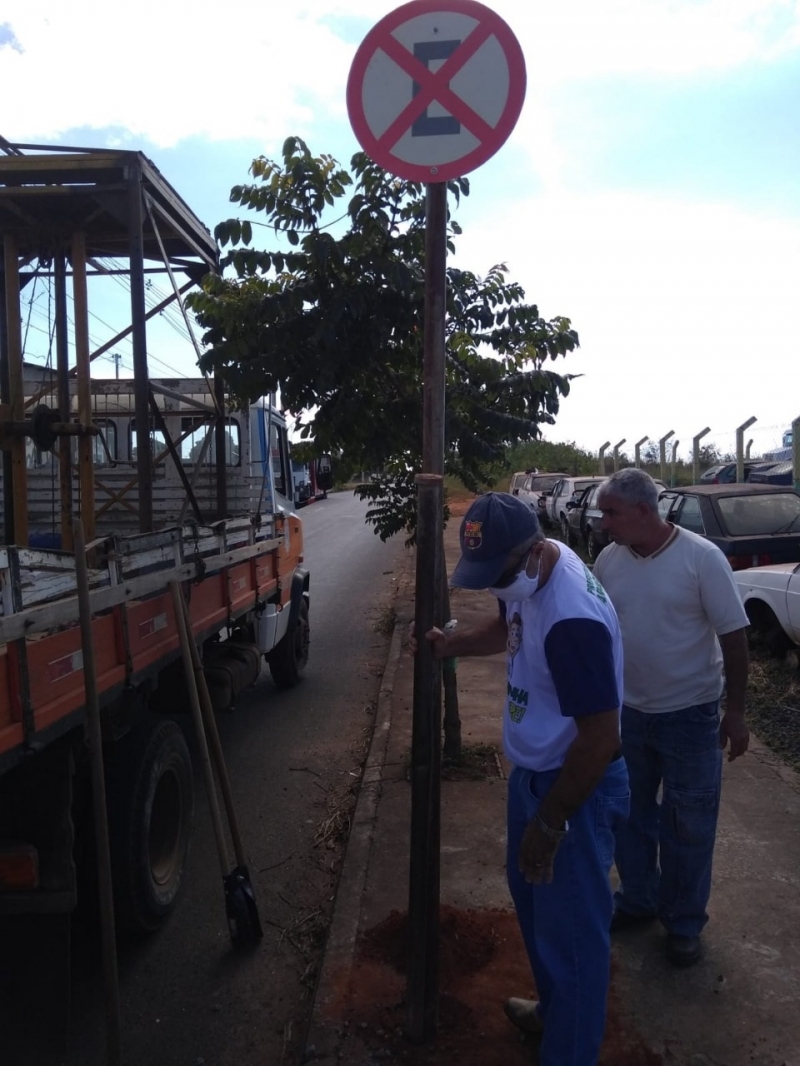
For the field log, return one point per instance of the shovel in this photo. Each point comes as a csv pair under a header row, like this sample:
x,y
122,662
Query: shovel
x,y
240,902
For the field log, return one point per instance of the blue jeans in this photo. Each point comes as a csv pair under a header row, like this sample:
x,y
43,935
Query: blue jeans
x,y
565,925
664,852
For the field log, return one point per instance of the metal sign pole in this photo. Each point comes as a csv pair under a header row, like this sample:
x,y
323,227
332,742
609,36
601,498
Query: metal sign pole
x,y
423,897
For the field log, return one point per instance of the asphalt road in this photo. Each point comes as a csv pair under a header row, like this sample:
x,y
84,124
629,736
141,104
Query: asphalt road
x,y
294,759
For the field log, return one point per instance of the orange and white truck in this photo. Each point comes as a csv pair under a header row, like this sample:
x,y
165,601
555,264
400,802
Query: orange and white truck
x,y
206,500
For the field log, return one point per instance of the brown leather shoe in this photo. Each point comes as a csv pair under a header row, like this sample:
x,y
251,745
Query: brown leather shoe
x,y
524,1013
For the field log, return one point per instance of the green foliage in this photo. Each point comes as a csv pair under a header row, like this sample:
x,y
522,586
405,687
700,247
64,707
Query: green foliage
x,y
567,458
337,324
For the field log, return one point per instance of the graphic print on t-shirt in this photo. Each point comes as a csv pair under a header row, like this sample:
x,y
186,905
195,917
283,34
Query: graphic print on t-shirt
x,y
517,698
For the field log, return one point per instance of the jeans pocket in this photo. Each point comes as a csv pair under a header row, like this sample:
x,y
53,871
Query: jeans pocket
x,y
692,814
697,729
611,813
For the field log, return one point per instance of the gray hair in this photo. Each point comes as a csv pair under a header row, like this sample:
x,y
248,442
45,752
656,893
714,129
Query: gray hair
x,y
633,486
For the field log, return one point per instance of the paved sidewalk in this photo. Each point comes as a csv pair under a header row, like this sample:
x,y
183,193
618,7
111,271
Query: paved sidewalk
x,y
740,1006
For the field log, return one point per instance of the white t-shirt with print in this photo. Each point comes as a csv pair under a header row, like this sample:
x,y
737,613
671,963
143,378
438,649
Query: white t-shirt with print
x,y
564,661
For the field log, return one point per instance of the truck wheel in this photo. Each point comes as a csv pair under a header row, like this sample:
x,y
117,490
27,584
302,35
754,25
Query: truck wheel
x,y
151,802
289,657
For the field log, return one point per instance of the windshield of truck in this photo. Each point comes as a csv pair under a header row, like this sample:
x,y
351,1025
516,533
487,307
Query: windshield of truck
x,y
753,516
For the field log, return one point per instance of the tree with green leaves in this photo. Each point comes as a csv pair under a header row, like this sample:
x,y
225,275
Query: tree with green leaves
x,y
333,316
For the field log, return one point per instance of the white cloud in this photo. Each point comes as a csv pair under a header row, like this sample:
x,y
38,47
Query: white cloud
x,y
166,70
687,312
170,71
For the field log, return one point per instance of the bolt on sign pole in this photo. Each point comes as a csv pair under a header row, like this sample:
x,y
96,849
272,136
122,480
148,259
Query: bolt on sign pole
x,y
696,454
434,90
637,462
740,447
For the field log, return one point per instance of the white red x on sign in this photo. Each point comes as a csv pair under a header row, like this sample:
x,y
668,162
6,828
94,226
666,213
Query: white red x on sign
x,y
435,88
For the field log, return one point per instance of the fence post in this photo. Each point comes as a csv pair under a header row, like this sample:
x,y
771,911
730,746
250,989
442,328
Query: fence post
x,y
662,449
616,454
601,459
637,461
740,447
675,444
696,454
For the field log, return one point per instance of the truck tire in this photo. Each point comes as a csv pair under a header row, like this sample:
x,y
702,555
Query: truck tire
x,y
150,805
289,657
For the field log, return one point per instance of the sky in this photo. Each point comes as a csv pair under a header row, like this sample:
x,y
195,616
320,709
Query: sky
x,y
650,190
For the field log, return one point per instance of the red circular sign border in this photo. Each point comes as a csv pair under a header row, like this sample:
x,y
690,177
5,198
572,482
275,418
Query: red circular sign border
x,y
511,111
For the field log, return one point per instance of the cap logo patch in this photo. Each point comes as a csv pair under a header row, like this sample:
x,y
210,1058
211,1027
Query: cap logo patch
x,y
473,538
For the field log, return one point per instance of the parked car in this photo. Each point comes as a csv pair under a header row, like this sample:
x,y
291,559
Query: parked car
x,y
518,480
586,521
725,473
775,474
568,488
771,597
754,525
531,490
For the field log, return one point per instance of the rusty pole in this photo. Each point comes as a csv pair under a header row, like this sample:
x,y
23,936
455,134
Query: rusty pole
x,y
64,406
144,458
19,483
82,361
423,905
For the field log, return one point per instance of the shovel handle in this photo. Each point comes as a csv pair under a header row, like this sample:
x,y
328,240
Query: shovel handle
x,y
212,734
197,718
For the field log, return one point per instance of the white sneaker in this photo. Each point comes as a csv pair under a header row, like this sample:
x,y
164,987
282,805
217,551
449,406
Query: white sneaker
x,y
524,1013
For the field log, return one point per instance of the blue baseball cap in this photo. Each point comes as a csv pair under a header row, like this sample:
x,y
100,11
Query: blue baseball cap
x,y
495,524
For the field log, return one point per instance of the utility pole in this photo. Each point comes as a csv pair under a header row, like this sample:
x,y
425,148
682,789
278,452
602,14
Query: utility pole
x,y
117,357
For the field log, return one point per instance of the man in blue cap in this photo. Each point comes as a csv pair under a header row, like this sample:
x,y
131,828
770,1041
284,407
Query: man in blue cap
x,y
568,790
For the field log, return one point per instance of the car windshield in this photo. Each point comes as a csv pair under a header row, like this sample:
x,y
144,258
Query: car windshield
x,y
581,485
544,482
758,515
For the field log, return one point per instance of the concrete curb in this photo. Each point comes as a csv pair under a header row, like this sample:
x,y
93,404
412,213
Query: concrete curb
x,y
324,1038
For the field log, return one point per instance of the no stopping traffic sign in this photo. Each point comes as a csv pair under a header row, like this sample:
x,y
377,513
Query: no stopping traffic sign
x,y
435,88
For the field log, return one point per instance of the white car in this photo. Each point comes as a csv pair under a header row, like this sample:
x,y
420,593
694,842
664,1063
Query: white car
x,y
568,488
771,597
533,486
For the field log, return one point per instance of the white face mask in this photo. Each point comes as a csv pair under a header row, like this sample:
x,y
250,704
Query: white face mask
x,y
521,588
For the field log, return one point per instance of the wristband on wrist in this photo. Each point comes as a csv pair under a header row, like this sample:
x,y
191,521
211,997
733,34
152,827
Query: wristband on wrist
x,y
549,832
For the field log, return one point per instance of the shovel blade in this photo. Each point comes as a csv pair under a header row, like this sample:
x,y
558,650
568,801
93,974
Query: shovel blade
x,y
240,908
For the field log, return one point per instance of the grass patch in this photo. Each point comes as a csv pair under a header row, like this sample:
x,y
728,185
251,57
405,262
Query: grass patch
x,y
773,705
385,621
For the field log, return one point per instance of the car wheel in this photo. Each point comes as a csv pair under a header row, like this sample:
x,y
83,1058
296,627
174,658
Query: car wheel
x,y
592,547
566,532
766,634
